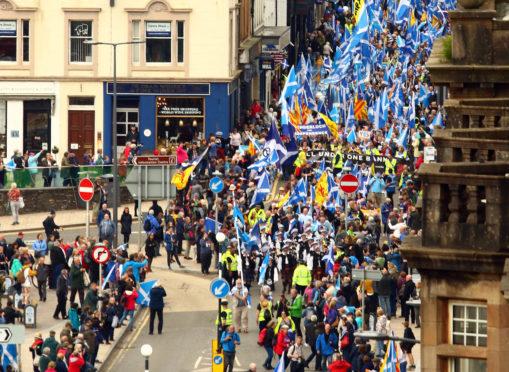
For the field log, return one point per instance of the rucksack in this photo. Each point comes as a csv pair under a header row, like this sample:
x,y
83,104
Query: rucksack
x,y
267,315
261,336
123,300
20,276
147,226
274,339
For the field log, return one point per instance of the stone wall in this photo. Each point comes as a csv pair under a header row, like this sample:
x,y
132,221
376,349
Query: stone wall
x,y
57,198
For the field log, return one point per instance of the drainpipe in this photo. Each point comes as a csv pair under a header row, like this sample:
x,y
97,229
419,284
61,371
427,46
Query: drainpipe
x,y
252,16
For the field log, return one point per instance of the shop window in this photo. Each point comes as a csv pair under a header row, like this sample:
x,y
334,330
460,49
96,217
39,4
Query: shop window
x,y
468,324
136,47
26,40
80,31
467,365
37,125
8,41
3,129
125,118
158,42
180,41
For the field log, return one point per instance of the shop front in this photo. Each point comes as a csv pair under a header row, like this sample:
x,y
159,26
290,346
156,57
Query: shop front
x,y
167,113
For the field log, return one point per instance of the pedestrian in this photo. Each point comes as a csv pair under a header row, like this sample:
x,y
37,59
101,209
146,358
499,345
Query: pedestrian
x,y
102,212
128,301
240,308
229,340
407,346
339,364
26,273
325,344
295,353
170,238
51,343
92,298
58,261
42,279
381,327
40,246
62,291
50,227
77,280
156,306
107,230
125,222
301,277
15,202
205,253
150,249
44,359
296,309
36,350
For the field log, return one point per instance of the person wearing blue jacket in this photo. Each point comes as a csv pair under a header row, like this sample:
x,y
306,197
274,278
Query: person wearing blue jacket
x,y
325,345
156,307
171,247
32,166
154,225
229,340
40,247
135,265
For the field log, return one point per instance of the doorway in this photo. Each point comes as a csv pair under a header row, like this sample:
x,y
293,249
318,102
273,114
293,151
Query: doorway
x,y
81,125
37,125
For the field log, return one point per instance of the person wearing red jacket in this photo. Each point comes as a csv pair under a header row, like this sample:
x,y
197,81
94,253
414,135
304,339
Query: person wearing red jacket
x,y
283,341
128,301
76,360
339,364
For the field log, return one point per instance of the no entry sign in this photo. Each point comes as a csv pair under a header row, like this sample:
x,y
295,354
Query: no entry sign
x,y
349,183
86,189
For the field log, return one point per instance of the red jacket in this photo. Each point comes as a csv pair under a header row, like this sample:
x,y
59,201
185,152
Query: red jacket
x,y
131,299
281,345
75,363
339,366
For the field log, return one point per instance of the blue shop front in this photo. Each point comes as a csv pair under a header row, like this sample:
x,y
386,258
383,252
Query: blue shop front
x,y
166,112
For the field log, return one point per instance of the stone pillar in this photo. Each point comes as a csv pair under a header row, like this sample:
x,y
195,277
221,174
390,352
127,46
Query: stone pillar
x,y
472,205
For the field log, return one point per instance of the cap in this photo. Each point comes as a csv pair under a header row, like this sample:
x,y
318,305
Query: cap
x,y
51,211
20,233
52,333
38,335
224,302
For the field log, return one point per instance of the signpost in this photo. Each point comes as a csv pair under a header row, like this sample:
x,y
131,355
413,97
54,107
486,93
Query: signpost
x,y
86,192
101,255
219,288
12,334
155,160
363,275
348,184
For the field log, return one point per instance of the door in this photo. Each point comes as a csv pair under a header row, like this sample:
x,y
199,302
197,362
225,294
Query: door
x,y
37,125
81,125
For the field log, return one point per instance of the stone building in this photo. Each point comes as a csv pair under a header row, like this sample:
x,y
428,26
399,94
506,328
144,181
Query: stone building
x,y
465,238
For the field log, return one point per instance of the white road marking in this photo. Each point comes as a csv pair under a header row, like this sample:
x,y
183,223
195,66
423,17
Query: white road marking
x,y
237,362
198,361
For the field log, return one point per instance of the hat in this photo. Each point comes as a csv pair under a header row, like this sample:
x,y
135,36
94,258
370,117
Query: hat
x,y
31,154
295,231
20,233
281,188
156,152
232,187
285,326
264,303
38,335
280,225
219,134
52,333
51,211
279,232
224,302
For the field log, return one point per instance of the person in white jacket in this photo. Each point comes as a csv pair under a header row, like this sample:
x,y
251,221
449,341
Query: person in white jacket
x,y
397,229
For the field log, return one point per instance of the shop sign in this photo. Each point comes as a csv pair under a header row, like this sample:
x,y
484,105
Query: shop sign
x,y
158,29
7,28
168,89
266,63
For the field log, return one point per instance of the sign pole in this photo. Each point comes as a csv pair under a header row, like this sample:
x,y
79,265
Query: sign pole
x,y
100,302
87,231
139,208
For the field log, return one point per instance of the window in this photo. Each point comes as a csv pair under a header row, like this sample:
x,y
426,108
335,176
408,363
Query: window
x,y
467,365
125,118
158,42
81,101
3,129
26,40
8,41
469,324
180,41
136,37
79,51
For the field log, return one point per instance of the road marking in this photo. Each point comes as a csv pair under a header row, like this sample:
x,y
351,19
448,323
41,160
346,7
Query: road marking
x,y
237,361
198,361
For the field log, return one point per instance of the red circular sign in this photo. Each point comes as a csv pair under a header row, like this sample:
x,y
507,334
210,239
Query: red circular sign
x,y
86,189
349,183
100,254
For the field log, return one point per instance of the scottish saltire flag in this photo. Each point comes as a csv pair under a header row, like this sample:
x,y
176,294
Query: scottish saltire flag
x,y
254,235
10,165
329,258
320,169
423,95
238,215
248,300
437,121
403,138
291,148
274,142
144,293
390,362
259,165
411,113
350,120
254,142
110,273
403,12
210,225
351,136
290,86
299,193
10,356
338,285
262,190
263,269
333,189
284,64
280,367
388,136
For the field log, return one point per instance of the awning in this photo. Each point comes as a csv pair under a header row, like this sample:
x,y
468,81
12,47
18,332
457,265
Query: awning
x,y
277,36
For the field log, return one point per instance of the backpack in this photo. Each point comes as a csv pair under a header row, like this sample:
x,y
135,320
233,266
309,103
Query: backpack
x,y
20,276
267,315
274,339
147,226
123,300
261,336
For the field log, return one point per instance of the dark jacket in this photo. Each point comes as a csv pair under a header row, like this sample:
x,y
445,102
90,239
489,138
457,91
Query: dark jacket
x,y
408,290
133,136
150,247
267,341
126,221
156,298
57,256
62,287
42,273
384,286
91,299
77,281
50,226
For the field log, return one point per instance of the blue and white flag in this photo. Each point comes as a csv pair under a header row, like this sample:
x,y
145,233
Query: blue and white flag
x,y
10,356
263,269
329,258
259,165
299,193
284,64
290,85
351,136
144,292
262,190
280,367
210,225
237,214
110,273
274,142
10,165
254,235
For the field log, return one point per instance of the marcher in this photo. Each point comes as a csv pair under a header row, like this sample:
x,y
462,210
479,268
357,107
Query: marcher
x,y
239,295
157,294
229,340
128,301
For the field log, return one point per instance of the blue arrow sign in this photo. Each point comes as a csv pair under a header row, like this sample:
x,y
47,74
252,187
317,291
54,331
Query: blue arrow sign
x,y
216,184
219,288
218,359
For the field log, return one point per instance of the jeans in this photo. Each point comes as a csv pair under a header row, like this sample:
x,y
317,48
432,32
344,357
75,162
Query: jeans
x,y
380,351
385,304
15,210
229,360
270,354
131,317
311,356
326,360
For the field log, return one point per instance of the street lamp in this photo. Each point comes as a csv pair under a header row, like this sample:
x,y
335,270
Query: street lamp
x,y
146,352
113,127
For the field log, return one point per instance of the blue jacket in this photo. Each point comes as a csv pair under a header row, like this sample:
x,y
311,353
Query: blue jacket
x,y
229,345
386,210
40,247
136,268
100,216
326,348
32,163
156,298
180,226
153,224
376,185
169,243
74,319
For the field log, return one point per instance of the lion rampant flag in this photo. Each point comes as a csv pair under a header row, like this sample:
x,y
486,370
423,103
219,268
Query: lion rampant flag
x,y
322,190
360,109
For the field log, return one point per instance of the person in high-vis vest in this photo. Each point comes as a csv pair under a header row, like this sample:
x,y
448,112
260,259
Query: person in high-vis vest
x,y
300,162
371,150
401,155
255,215
230,264
337,162
301,277
390,163
225,319
264,313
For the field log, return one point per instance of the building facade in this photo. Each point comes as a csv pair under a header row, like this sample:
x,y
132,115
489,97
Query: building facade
x,y
56,90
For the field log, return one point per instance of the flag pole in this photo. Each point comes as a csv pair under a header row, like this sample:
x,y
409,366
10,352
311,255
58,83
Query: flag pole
x,y
238,247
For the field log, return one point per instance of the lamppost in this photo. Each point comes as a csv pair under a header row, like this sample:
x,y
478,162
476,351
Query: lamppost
x,y
146,351
220,238
116,190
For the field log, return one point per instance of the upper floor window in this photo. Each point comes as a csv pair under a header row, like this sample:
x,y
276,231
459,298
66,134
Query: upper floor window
x,y
79,32
468,324
158,42
180,41
14,45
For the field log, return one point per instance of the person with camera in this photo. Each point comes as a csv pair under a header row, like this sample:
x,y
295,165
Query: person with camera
x,y
229,340
296,356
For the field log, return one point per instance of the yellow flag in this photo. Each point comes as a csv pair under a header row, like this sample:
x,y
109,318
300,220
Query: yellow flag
x,y
357,6
283,201
412,19
181,179
322,190
333,127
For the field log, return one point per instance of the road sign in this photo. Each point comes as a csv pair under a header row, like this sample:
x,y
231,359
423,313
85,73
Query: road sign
x,y
216,184
86,189
155,182
218,359
100,254
12,334
349,183
219,288
155,160
361,274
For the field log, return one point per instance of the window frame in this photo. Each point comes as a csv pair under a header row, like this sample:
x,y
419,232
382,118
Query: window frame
x,y
79,14
89,37
14,37
127,123
465,320
451,363
183,39
170,37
